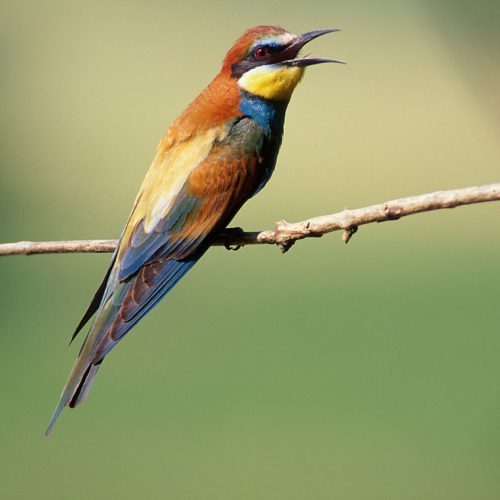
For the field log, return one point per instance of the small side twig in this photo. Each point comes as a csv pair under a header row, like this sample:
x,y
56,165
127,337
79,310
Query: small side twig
x,y
349,233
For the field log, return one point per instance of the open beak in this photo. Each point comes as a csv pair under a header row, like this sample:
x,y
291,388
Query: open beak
x,y
294,48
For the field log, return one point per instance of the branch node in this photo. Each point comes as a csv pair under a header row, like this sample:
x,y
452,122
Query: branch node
x,y
348,233
285,244
282,242
392,212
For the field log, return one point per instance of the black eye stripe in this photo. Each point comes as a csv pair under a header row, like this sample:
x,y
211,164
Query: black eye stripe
x,y
270,47
252,61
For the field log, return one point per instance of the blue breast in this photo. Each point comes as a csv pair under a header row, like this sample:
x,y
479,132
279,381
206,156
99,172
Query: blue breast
x,y
270,115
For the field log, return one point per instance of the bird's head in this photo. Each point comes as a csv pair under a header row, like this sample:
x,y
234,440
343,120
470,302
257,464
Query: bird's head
x,y
265,61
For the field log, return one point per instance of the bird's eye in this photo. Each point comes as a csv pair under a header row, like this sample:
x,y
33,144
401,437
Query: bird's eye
x,y
261,52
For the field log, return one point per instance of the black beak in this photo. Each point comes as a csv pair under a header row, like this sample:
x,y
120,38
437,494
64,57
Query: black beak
x,y
293,50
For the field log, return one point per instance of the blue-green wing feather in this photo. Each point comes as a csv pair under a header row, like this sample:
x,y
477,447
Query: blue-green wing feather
x,y
144,247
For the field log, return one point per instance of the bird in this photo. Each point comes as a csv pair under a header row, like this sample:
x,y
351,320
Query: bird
x,y
216,155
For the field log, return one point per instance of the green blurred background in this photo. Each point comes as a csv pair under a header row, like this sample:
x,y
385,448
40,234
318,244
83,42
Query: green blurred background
x,y
362,372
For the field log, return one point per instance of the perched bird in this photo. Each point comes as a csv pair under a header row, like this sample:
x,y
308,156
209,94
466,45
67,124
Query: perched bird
x,y
215,156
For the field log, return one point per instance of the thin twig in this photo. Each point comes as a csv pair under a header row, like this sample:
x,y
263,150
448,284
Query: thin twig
x,y
286,234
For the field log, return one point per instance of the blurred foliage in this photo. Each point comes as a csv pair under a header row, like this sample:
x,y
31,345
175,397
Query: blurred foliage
x,y
366,371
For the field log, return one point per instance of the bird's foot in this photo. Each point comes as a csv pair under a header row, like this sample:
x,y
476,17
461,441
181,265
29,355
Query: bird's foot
x,y
229,234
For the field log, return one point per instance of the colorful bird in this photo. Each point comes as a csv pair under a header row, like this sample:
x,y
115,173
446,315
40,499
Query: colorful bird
x,y
215,156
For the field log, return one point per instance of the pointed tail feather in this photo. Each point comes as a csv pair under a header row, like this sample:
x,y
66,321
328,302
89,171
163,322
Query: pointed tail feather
x,y
83,390
76,389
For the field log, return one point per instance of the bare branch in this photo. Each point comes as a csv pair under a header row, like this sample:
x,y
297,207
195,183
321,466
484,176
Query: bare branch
x,y
286,234
75,246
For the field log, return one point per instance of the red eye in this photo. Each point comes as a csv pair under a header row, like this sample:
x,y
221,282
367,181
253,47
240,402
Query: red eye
x,y
261,52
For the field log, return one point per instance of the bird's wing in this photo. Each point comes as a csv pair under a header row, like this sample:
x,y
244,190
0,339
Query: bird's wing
x,y
159,213
185,200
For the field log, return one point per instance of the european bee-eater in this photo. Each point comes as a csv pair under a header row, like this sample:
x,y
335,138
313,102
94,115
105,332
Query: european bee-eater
x,y
215,156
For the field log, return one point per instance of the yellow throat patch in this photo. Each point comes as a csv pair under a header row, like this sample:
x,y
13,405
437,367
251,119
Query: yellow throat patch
x,y
271,81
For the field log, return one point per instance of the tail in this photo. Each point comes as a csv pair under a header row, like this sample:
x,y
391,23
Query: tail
x,y
76,390
115,317
87,364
